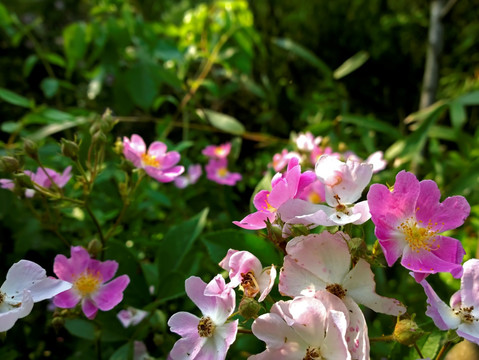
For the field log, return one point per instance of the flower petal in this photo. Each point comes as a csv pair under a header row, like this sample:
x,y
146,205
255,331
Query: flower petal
x,y
8,318
184,324
22,275
89,308
106,269
109,295
255,221
361,286
67,299
470,283
48,288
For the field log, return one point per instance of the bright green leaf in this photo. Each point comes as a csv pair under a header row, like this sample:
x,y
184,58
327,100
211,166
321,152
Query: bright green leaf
x,y
471,98
55,59
14,99
458,114
74,43
49,87
11,126
354,62
223,122
29,64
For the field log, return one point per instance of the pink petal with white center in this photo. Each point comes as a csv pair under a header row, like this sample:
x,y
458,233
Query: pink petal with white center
x,y
470,283
65,268
290,351
260,200
8,318
306,179
272,329
217,287
295,210
7,184
266,282
448,215
164,176
241,263
392,247
376,159
357,332
227,333
361,287
111,294
469,332
443,259
295,280
187,348
184,324
157,149
310,319
280,193
442,315
362,208
255,221
170,159
325,255
137,143
89,308
346,180
22,276
106,269
67,299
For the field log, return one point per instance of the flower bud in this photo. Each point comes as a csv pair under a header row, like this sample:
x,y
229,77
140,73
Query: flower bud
x,y
23,181
99,137
94,248
70,149
10,164
30,148
58,322
249,308
407,332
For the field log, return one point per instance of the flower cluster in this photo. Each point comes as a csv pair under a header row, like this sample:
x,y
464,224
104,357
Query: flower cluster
x,y
217,167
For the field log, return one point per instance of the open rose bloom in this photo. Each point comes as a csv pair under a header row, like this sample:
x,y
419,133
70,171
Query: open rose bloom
x,y
409,220
156,161
90,280
26,283
217,171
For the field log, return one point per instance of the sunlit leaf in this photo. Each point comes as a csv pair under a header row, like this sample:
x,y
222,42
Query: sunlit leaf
x,y
223,122
354,62
457,113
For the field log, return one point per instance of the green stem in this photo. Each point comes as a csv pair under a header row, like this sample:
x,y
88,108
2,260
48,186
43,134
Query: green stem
x,y
418,351
97,224
384,338
244,331
443,350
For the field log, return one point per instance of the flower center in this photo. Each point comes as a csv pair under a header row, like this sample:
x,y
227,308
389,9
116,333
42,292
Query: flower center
x,y
149,160
249,284
87,283
337,290
417,236
313,353
222,172
465,313
219,151
314,198
206,327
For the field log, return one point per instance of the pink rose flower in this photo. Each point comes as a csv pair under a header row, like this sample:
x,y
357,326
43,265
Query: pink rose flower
x,y
210,336
217,171
246,270
26,283
303,328
193,174
156,161
463,312
408,222
90,281
282,159
217,152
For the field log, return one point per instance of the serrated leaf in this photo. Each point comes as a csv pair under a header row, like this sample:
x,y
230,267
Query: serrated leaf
x,y
14,99
223,122
354,62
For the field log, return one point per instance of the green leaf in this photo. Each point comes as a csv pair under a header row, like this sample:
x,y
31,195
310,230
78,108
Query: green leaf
x,y
55,128
354,62
168,77
141,86
123,352
458,114
432,344
74,43
55,59
222,121
177,242
80,328
218,243
371,123
49,87
11,126
172,286
14,99
29,64
303,53
471,98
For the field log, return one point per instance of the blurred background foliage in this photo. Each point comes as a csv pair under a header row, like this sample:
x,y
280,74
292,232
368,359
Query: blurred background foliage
x,y
192,73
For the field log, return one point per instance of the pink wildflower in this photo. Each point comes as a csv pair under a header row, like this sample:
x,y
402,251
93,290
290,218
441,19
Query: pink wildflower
x,y
282,159
246,270
210,336
376,159
314,193
322,261
156,161
317,152
217,152
284,187
217,171
26,283
193,174
303,328
306,141
131,316
463,313
41,178
343,184
89,277
408,221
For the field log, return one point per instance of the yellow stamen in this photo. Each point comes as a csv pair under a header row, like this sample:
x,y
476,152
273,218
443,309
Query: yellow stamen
x,y
222,172
206,327
419,236
219,151
314,198
87,283
149,160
